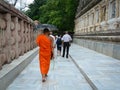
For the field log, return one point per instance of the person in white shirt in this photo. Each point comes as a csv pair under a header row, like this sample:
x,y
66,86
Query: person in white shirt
x,y
66,43
54,44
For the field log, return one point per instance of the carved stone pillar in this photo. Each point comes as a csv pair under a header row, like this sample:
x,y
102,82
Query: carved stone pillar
x,y
87,22
29,36
15,33
8,35
117,8
118,1
3,39
24,40
117,24
100,13
98,22
107,16
107,10
22,36
25,37
19,37
13,41
95,16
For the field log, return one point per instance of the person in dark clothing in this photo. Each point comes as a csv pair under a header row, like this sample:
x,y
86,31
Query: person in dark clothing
x,y
66,43
59,45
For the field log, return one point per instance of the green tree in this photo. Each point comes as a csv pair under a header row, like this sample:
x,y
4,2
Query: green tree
x,y
33,11
57,12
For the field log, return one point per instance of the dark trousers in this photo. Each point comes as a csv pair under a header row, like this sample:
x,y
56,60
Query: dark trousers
x,y
66,46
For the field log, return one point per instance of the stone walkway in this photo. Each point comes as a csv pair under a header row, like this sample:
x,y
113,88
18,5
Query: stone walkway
x,y
86,66
102,72
63,75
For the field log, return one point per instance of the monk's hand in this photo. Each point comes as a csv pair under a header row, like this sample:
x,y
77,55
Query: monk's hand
x,y
52,56
54,46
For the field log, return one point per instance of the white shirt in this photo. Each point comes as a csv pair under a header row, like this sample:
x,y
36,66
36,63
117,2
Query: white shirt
x,y
53,40
66,38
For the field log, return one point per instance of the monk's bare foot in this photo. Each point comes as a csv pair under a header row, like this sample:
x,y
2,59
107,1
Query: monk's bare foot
x,y
43,79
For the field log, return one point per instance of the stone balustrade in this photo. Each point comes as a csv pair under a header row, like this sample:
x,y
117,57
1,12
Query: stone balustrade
x,y
16,33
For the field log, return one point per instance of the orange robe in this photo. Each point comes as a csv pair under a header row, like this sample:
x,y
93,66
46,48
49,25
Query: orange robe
x,y
44,52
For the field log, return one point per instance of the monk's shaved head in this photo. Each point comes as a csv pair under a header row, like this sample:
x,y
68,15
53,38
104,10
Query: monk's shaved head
x,y
46,30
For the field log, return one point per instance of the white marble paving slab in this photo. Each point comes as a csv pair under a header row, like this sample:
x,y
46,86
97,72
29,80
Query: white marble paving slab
x,y
64,76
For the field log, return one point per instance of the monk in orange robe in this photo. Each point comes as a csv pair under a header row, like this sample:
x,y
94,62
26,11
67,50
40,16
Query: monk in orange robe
x,y
44,41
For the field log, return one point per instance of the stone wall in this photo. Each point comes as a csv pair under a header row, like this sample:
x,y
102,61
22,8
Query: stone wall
x,y
16,33
99,23
107,48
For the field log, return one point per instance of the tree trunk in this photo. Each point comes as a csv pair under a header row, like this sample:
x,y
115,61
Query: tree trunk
x,y
15,2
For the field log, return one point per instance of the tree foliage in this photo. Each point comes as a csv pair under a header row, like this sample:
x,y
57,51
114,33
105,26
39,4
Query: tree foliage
x,y
57,12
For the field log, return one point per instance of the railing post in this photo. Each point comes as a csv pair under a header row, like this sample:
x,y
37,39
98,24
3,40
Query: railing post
x,y
8,37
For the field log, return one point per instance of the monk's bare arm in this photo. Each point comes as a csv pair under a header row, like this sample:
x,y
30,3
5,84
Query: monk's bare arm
x,y
52,42
52,46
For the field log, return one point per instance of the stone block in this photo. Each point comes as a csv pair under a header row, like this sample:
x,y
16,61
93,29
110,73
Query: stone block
x,y
109,49
116,51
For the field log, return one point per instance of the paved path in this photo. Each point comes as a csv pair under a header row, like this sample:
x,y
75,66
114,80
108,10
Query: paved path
x,y
64,76
102,72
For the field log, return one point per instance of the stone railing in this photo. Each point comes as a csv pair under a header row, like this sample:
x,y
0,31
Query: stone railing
x,y
16,33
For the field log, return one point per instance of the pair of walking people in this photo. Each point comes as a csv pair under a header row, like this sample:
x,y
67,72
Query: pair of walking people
x,y
46,50
65,42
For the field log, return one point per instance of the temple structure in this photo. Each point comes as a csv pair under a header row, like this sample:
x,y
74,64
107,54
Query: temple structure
x,y
97,26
